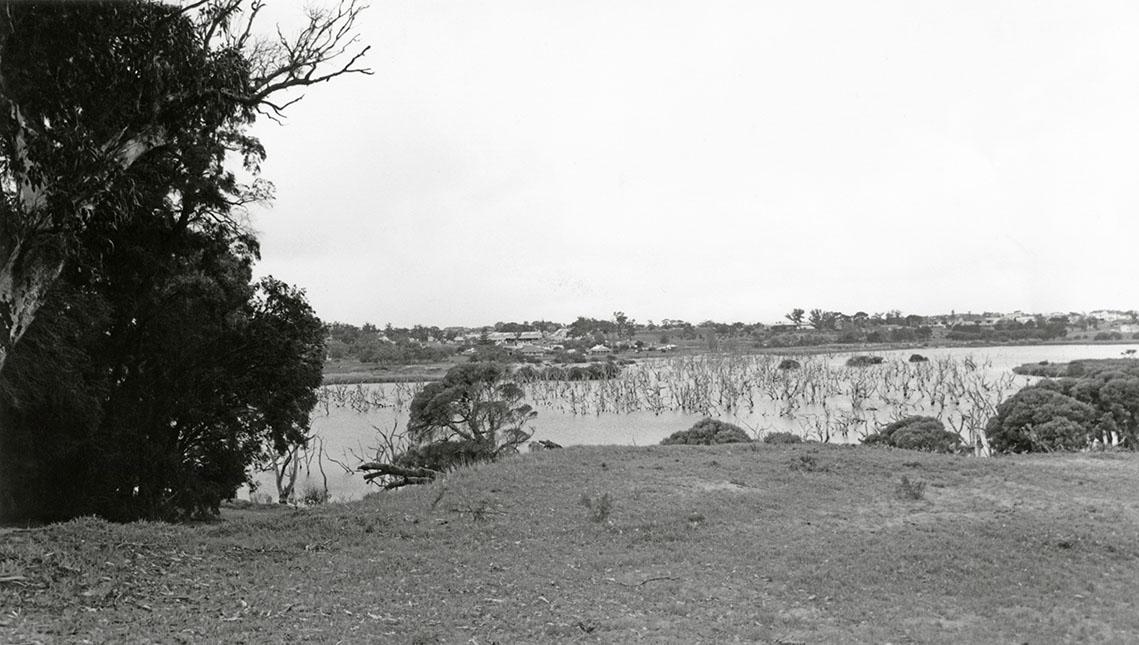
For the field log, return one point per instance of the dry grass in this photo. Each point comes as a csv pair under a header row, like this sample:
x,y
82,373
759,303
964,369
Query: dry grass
x,y
700,544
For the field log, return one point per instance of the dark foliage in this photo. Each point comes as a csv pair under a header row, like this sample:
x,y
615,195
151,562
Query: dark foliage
x,y
863,361
789,364
1008,332
478,403
916,433
444,455
708,431
149,388
1094,400
1039,418
918,358
782,437
156,371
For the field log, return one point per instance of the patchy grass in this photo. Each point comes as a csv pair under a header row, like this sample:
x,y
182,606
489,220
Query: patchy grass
x,y
698,544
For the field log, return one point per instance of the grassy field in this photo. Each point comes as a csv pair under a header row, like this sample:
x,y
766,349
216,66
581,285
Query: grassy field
x,y
770,544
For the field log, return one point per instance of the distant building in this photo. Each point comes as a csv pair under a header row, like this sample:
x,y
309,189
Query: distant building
x,y
514,337
599,349
1110,315
531,350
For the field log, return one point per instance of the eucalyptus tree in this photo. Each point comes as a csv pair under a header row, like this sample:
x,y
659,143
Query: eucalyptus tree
x,y
97,98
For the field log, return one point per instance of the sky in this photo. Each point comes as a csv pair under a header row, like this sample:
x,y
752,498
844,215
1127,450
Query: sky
x,y
536,159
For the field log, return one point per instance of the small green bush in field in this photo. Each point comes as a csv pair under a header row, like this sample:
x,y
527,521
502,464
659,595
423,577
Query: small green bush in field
x,y
706,432
907,489
916,433
598,508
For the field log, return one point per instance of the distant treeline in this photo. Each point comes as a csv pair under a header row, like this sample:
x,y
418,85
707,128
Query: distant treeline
x,y
1009,331
390,345
422,344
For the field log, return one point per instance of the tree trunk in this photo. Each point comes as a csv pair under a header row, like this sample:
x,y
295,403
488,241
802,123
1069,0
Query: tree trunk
x,y
26,276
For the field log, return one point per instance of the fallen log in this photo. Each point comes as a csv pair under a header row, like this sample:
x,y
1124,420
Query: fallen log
x,y
376,469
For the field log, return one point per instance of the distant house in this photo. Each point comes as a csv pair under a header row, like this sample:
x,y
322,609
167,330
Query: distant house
x,y
531,350
666,348
1111,315
514,337
600,349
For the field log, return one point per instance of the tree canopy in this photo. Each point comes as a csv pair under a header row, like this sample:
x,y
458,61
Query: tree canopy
x,y
101,100
142,371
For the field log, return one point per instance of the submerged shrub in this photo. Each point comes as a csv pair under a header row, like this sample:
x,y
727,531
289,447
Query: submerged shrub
x,y
782,437
918,358
789,364
863,361
916,433
706,432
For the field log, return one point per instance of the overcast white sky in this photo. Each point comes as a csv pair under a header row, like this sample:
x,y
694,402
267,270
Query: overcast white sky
x,y
539,159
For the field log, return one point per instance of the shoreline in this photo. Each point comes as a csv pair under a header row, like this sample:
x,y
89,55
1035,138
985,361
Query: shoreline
x,y
360,374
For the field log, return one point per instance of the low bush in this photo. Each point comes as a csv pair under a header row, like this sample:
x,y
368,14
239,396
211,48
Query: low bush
x,y
445,455
782,437
918,358
789,364
907,489
807,464
916,433
707,432
863,361
598,508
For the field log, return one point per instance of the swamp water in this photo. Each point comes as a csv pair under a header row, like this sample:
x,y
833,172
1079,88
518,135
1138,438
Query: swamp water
x,y
822,400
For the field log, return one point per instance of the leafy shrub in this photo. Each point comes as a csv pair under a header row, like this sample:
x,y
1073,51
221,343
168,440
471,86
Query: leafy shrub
x,y
1041,418
578,373
1111,388
907,489
314,495
445,455
916,433
918,358
706,432
789,364
863,361
526,374
474,414
782,437
598,508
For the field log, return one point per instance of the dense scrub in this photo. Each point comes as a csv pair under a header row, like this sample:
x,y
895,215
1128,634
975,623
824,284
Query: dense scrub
x,y
916,433
706,432
863,361
1091,401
